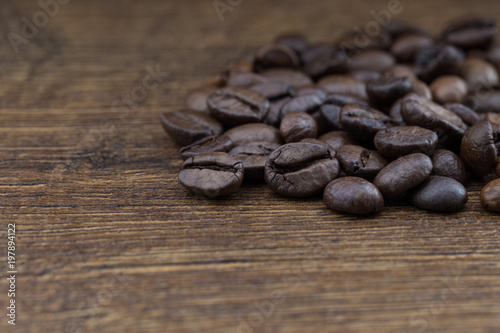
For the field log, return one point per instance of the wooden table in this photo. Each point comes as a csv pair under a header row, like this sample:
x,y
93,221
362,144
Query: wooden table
x,y
108,241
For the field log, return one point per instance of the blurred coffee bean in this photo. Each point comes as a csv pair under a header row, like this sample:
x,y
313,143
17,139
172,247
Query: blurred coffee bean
x,y
448,89
197,99
291,77
343,85
470,32
406,46
374,60
253,132
293,40
275,56
209,144
468,115
438,60
478,74
188,126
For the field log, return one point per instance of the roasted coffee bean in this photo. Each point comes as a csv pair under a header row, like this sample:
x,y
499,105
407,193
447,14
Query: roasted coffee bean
x,y
395,113
253,132
291,77
275,56
468,115
309,89
343,85
421,112
470,32
448,89
188,126
403,174
331,114
273,89
487,101
363,123
212,174
490,196
438,60
293,40
448,164
197,99
478,149
245,79
385,91
337,139
478,74
497,169
365,75
236,106
421,89
325,60
406,46
300,169
360,162
397,28
493,55
403,140
400,70
322,143
209,144
304,103
352,41
273,117
298,125
441,194
375,60
353,195
341,100
254,155
321,124
494,120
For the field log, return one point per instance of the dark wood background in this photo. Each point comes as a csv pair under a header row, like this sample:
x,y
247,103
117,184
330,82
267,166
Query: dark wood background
x,y
108,241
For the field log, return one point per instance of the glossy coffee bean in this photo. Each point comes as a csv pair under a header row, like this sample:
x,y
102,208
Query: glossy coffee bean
x,y
300,169
337,139
490,196
331,115
448,89
209,144
343,85
293,78
497,169
298,125
275,56
273,117
212,174
470,32
478,74
245,79
478,149
493,119
421,112
406,46
403,140
421,89
197,99
253,132
188,126
395,113
236,106
486,101
304,103
441,194
363,123
438,60
385,91
365,75
403,174
375,60
324,60
360,162
254,155
468,116
272,89
353,195
310,89
448,164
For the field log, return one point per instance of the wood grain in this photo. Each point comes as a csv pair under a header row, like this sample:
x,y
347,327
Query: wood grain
x,y
107,240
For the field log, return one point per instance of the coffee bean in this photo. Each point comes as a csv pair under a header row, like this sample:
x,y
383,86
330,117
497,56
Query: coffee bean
x,y
352,41
421,89
343,85
490,196
197,99
275,56
395,113
421,112
398,28
337,139
486,101
324,60
478,74
353,195
294,41
448,89
478,149
254,155
400,70
310,89
304,103
376,60
438,60
273,117
468,115
493,55
497,169
448,164
403,140
236,106
212,174
300,169
360,162
365,75
363,123
406,46
320,121
385,91
331,114
441,194
245,79
403,174
293,78
273,89
298,125
188,126
494,120
470,32
209,144
253,132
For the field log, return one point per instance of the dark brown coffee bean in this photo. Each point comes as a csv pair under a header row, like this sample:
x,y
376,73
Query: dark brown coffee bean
x,y
421,89
275,56
403,140
441,194
188,126
363,123
397,28
212,174
304,103
293,40
470,32
309,89
478,149
448,89
324,60
478,74
352,41
300,169
360,162
273,117
236,106
406,46
497,169
487,101
298,125
400,70
209,144
273,89
291,77
395,113
319,142
490,196
493,55
253,132
197,99
403,174
337,139
343,85
353,195
468,115
341,100
494,120
385,91
375,60
245,79
438,60
365,75
331,114
448,164
254,155
421,112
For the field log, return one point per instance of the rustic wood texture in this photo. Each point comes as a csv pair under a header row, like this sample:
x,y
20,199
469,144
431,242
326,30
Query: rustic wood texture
x,y
108,241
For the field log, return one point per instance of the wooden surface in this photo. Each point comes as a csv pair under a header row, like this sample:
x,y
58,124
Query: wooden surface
x,y
108,241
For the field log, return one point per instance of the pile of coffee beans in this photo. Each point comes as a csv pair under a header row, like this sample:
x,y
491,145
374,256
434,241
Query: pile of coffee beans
x,y
364,120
